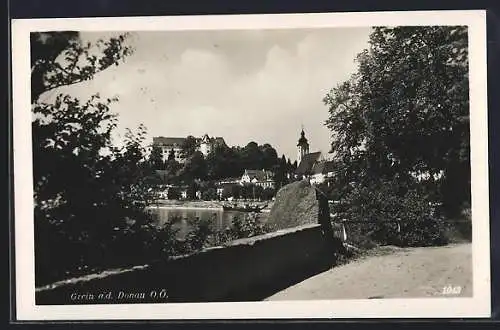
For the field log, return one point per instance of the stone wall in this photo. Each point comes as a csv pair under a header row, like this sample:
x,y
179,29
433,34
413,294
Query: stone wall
x,y
245,270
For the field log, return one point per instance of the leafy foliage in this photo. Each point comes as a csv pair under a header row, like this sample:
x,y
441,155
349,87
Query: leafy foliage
x,y
248,225
405,113
89,195
156,158
203,234
60,59
388,212
400,134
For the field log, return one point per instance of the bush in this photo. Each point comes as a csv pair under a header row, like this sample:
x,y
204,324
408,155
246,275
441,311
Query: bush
x,y
459,229
248,225
173,193
268,194
198,237
209,195
203,234
377,208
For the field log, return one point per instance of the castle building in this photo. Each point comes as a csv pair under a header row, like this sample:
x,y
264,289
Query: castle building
x,y
168,144
207,144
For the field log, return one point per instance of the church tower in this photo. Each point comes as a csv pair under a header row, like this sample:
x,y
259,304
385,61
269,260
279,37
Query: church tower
x,y
302,147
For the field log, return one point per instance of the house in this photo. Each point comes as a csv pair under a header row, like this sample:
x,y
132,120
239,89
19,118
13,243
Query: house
x,y
321,172
225,187
305,168
260,178
205,145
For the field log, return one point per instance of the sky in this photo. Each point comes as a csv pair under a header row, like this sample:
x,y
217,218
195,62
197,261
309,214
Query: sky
x,y
243,85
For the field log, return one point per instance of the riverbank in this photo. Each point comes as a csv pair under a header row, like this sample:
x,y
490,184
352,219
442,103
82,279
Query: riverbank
x,y
205,205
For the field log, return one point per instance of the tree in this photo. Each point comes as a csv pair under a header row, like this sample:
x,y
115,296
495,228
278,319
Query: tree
x,y
173,193
280,172
189,146
156,158
251,156
405,113
247,191
227,192
89,195
268,193
209,194
236,191
221,163
192,189
80,63
258,192
173,168
269,157
289,166
194,168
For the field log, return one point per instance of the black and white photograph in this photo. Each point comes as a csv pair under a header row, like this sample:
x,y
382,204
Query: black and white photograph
x,y
251,166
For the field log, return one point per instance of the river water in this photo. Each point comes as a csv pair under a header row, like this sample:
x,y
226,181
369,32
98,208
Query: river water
x,y
182,217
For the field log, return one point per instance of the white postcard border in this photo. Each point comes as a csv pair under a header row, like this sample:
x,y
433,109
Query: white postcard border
x,y
477,306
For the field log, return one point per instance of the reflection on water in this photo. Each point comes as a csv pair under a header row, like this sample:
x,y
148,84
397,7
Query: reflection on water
x,y
182,217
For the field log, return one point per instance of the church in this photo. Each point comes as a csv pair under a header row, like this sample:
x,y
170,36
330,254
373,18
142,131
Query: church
x,y
313,166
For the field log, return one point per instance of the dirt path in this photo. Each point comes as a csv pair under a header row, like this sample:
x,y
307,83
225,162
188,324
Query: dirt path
x,y
415,272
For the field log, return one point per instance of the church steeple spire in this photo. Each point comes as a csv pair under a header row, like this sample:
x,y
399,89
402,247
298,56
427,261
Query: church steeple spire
x,y
302,146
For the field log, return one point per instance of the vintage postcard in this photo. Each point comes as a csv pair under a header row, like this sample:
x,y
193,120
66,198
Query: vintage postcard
x,y
251,167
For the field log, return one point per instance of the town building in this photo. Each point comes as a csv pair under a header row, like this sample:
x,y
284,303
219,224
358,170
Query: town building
x,y
305,168
260,178
322,172
302,147
205,145
313,166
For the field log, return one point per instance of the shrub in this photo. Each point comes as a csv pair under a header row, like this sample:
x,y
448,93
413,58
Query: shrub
x,y
198,236
209,195
248,225
203,234
376,209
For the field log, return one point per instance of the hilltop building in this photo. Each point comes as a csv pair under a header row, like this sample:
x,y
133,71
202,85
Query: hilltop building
x,y
205,145
168,144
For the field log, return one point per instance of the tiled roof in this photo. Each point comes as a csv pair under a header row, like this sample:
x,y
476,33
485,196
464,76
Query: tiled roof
x,y
161,140
307,163
323,167
260,175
